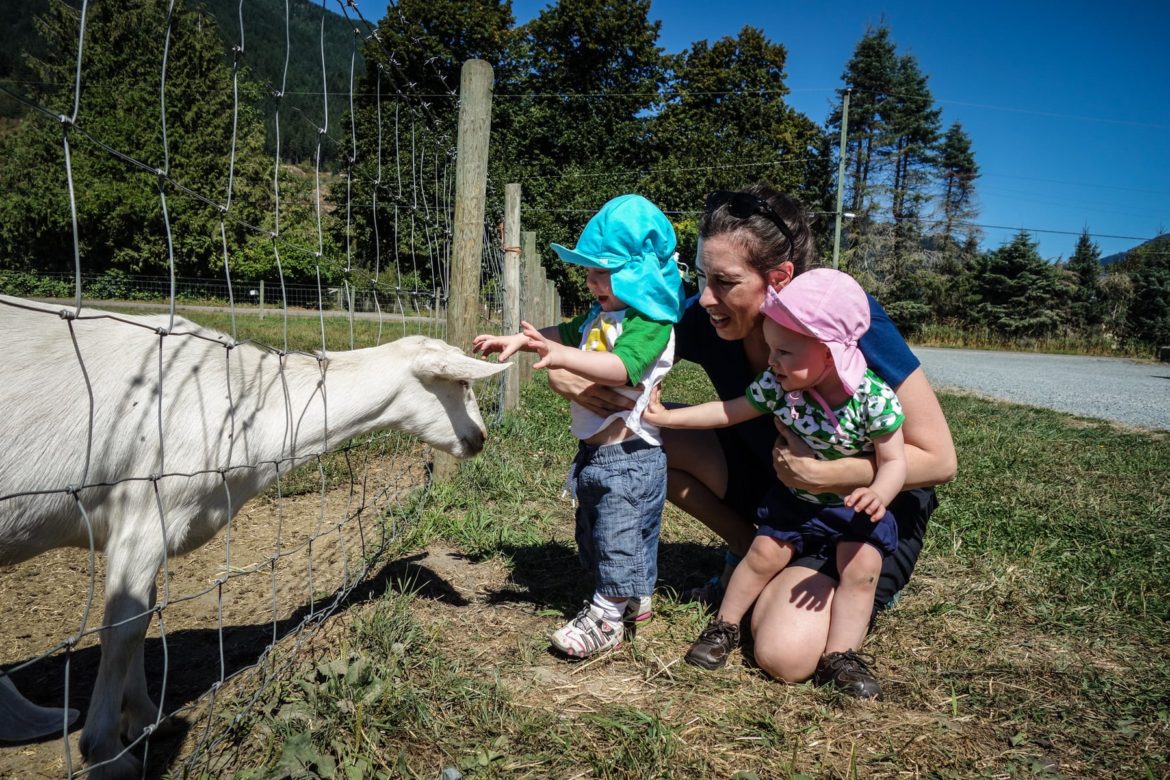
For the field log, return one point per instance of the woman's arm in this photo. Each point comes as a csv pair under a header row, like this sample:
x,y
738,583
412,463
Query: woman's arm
x,y
930,451
595,397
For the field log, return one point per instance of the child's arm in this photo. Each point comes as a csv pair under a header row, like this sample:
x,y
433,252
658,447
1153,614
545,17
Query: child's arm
x,y
890,455
716,414
507,346
602,367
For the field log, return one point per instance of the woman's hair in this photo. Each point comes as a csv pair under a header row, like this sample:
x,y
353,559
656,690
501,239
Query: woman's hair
x,y
766,246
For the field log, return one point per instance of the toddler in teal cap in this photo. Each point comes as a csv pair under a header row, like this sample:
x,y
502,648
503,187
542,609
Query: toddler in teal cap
x,y
618,478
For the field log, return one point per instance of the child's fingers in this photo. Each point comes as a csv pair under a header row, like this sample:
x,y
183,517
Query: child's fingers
x,y
872,505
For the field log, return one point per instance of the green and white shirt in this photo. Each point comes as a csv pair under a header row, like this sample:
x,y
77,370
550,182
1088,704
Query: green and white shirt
x,y
646,349
872,412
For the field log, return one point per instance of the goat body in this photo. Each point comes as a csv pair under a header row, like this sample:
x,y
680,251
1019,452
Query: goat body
x,y
161,437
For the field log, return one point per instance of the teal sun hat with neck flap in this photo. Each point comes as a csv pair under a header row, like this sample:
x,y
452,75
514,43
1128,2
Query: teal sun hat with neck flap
x,y
632,239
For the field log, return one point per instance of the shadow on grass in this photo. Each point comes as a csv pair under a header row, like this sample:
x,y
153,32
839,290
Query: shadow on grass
x,y
550,576
191,657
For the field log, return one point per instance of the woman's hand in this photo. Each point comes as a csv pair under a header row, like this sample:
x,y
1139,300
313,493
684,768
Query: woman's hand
x,y
796,465
599,399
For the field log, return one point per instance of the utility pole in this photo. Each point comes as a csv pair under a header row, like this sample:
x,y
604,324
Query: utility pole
x,y
841,180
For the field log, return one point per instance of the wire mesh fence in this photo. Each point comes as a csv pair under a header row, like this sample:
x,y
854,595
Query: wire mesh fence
x,y
233,445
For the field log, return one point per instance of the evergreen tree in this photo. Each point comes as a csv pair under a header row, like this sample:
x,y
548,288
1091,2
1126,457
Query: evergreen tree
x,y
268,37
870,77
1149,311
893,131
1085,266
725,124
120,217
589,72
401,173
1014,292
958,170
912,127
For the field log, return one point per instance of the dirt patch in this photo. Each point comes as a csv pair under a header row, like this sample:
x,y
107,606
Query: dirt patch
x,y
276,564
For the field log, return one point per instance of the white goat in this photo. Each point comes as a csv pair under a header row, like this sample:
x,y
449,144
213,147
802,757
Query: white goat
x,y
148,497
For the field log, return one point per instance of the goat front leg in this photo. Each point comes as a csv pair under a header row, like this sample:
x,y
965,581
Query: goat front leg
x,y
132,564
139,711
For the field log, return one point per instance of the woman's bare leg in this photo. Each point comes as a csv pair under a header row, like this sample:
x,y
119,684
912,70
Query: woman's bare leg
x,y
790,623
697,483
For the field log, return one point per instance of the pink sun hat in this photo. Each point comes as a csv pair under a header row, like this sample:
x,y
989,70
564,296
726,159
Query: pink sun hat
x,y
831,307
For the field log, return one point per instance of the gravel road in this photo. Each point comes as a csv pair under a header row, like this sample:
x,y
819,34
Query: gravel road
x,y
1130,392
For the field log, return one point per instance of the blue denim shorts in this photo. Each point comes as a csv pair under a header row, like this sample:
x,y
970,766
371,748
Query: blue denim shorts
x,y
620,491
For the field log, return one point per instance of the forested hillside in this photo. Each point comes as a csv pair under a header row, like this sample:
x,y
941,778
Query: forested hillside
x,y
586,105
310,43
313,35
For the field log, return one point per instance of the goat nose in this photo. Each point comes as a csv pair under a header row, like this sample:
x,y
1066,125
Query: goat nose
x,y
476,441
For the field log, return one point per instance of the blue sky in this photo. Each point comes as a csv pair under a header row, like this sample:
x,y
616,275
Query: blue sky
x,y
1067,103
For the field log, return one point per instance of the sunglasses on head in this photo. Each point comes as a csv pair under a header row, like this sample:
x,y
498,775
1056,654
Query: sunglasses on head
x,y
742,205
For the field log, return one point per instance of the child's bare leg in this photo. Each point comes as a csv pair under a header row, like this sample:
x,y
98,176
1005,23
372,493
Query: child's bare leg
x,y
859,565
764,560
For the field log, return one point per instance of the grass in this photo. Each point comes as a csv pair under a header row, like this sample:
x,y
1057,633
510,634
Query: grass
x,y
972,337
1032,642
304,332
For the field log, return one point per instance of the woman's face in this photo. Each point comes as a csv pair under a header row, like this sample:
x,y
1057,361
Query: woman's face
x,y
734,291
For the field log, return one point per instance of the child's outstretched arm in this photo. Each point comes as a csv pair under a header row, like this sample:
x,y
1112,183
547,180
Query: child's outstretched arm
x,y
716,414
602,367
890,452
486,344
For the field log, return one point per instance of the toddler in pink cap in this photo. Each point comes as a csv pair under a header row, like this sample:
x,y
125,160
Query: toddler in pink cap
x,y
817,384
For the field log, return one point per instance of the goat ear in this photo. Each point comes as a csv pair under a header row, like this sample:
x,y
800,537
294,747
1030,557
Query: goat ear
x,y
451,364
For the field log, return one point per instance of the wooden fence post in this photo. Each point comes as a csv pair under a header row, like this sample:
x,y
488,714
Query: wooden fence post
x,y
550,302
475,120
528,296
512,287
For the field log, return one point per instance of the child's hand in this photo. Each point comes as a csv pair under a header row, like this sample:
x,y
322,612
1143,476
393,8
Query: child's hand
x,y
545,348
863,499
506,345
655,413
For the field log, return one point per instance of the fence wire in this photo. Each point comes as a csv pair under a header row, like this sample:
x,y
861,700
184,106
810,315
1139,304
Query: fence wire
x,y
231,619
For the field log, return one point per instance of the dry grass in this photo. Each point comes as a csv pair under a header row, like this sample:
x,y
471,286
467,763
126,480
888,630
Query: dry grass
x,y
1032,641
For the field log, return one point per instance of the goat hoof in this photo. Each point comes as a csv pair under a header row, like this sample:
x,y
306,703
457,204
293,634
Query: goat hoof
x,y
167,727
105,763
125,767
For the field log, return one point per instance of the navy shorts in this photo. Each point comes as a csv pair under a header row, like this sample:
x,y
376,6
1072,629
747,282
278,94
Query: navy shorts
x,y
803,524
749,480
